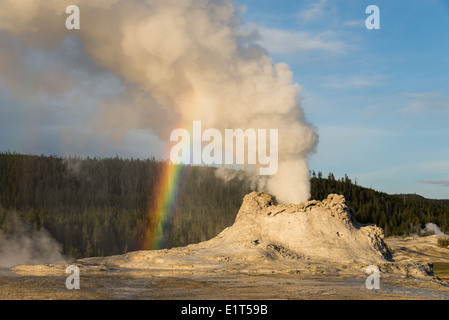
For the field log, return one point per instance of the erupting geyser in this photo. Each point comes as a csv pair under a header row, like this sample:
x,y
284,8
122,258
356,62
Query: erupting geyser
x,y
182,61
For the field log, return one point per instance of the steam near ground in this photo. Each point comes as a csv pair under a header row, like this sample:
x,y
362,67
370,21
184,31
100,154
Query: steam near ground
x,y
432,228
20,244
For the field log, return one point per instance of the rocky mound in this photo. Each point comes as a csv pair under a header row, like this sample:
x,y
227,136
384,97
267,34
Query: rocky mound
x,y
267,236
314,230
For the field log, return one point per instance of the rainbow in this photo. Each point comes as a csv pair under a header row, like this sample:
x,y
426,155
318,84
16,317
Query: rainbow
x,y
166,195
165,199
173,176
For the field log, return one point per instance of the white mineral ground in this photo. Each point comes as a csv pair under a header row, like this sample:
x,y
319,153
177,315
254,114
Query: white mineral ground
x,y
311,250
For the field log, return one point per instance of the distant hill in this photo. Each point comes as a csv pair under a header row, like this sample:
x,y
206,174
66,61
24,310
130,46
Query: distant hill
x,y
96,206
412,196
417,196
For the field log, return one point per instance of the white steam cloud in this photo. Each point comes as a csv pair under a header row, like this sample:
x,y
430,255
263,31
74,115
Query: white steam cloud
x,y
23,245
182,61
432,228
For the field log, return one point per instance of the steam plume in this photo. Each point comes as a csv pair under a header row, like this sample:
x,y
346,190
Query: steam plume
x,y
182,61
432,228
23,245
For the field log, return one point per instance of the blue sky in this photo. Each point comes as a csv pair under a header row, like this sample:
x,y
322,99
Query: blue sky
x,y
379,98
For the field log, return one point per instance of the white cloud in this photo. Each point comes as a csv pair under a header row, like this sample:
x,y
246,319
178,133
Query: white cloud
x,y
444,183
315,11
353,81
428,103
278,41
354,23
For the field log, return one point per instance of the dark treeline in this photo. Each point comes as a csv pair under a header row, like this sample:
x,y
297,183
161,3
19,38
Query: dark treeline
x,y
395,214
103,206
